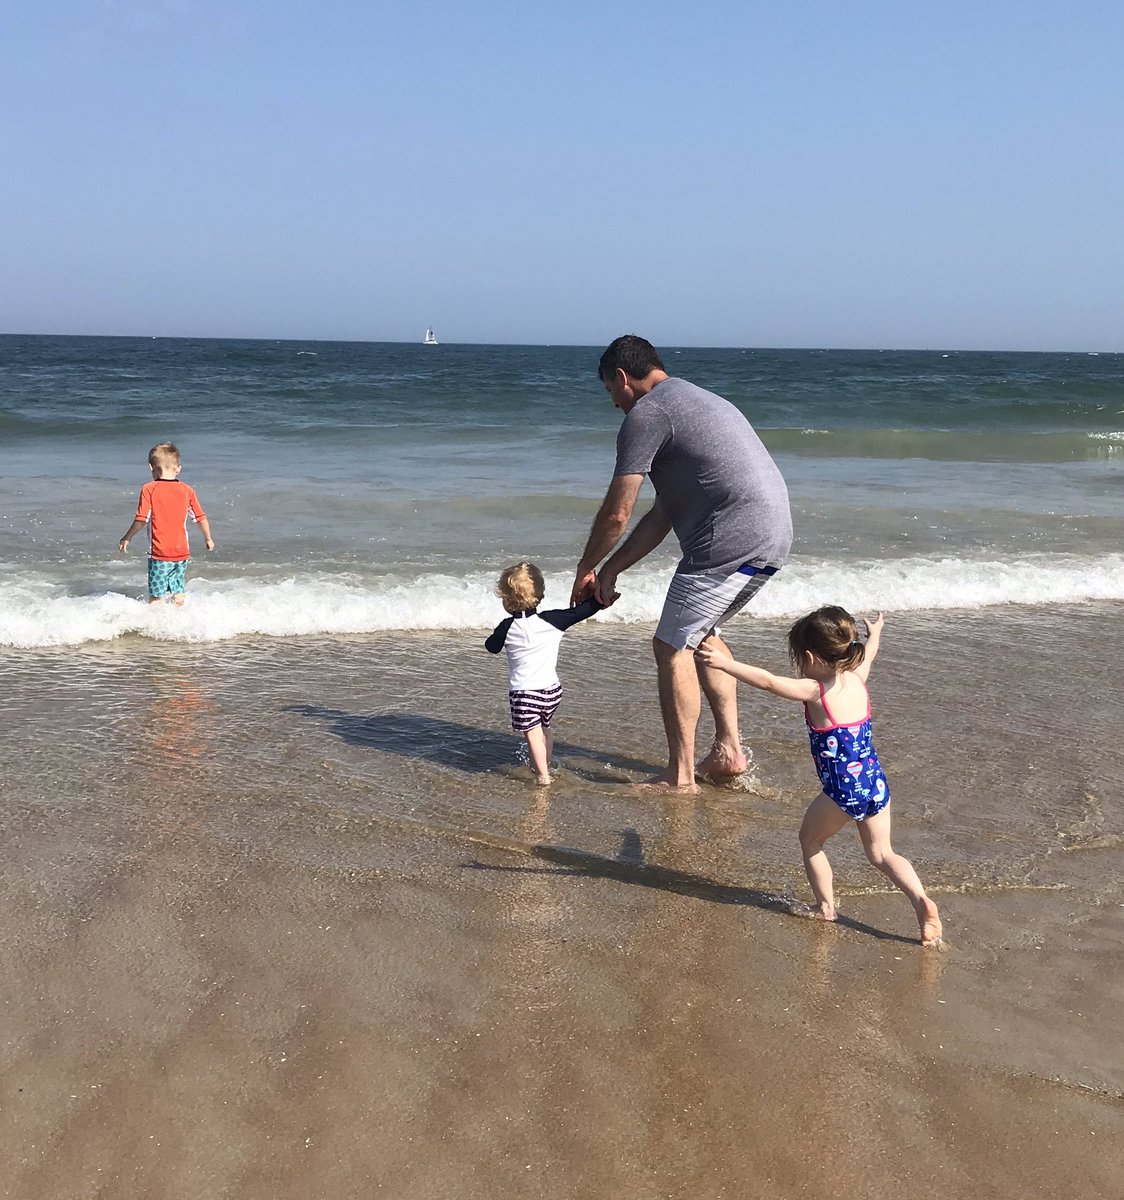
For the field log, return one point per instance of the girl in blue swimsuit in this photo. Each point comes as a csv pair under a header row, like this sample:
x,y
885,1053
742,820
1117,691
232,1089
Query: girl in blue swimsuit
x,y
834,666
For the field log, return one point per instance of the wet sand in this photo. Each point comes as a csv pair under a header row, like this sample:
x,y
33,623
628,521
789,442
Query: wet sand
x,y
293,963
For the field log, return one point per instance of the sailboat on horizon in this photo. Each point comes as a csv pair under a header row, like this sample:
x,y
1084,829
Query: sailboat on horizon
x,y
430,338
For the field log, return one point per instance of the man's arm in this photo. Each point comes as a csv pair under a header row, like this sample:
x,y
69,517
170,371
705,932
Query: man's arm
x,y
608,527
650,530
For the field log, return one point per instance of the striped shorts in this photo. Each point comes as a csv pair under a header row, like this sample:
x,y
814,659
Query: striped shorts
x,y
532,708
697,604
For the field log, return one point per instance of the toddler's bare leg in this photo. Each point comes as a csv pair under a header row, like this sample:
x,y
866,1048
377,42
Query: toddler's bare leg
x,y
823,819
178,599
875,834
540,756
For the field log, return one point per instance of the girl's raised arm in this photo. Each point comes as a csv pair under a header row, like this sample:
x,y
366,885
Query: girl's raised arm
x,y
873,641
780,685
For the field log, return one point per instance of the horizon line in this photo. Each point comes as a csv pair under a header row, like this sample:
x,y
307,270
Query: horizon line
x,y
181,337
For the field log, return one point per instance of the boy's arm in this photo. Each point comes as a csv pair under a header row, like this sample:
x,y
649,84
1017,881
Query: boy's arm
x,y
873,642
200,518
780,685
495,640
563,618
133,529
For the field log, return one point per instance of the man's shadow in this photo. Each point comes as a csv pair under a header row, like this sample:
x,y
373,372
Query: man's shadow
x,y
629,866
450,743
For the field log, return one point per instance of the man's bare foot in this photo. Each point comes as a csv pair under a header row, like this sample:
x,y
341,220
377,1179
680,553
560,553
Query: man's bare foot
x,y
723,763
665,783
930,922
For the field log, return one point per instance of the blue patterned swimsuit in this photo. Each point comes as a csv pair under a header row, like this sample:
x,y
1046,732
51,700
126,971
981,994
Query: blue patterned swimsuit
x,y
847,765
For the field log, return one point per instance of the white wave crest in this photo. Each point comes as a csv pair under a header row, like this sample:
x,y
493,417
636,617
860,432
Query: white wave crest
x,y
36,612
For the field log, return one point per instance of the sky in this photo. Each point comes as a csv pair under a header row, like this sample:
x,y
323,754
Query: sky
x,y
805,173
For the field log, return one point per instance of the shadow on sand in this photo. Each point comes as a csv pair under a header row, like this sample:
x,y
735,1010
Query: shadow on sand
x,y
629,867
450,743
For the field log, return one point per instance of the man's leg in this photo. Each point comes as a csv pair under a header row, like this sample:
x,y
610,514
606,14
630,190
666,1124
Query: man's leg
x,y
726,757
680,701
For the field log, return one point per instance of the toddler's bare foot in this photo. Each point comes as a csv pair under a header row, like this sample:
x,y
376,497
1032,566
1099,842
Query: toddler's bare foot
x,y
930,922
666,782
723,763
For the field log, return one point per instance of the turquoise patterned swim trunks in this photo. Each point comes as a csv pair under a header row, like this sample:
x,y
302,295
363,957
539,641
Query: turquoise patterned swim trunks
x,y
167,578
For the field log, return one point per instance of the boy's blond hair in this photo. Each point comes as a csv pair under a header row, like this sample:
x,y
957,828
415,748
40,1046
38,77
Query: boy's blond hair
x,y
520,587
164,456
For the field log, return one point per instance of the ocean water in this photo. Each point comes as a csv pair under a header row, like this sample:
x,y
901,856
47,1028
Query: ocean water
x,y
328,671
364,487
276,872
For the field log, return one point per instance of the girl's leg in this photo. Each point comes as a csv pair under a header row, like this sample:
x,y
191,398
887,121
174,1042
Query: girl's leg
x,y
875,834
540,756
823,819
548,738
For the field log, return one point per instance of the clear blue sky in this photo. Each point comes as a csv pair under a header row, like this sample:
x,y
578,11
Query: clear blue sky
x,y
827,173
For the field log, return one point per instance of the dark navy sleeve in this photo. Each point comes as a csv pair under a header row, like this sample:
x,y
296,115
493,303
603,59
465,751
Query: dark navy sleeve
x,y
495,641
563,618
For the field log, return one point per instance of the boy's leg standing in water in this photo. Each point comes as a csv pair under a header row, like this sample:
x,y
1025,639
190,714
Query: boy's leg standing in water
x,y
540,745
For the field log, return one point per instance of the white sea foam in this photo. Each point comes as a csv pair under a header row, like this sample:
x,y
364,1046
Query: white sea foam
x,y
35,612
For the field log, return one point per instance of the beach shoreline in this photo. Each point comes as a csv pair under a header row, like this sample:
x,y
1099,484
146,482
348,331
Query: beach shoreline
x,y
333,947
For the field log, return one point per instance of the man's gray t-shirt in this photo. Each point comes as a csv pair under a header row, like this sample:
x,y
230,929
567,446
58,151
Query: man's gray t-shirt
x,y
722,492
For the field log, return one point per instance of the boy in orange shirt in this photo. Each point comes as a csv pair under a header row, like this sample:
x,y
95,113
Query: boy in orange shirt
x,y
164,507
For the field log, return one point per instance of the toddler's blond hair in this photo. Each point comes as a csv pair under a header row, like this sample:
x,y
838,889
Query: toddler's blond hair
x,y
165,456
520,587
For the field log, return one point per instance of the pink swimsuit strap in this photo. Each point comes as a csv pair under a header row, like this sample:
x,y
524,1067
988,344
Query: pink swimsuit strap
x,y
834,723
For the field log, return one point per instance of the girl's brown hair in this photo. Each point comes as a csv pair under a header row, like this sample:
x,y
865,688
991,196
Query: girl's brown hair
x,y
520,587
831,635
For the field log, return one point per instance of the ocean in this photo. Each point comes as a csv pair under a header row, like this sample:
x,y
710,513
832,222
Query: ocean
x,y
283,913
361,487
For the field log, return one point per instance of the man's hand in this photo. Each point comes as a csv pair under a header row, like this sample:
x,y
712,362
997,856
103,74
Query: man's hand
x,y
585,585
606,587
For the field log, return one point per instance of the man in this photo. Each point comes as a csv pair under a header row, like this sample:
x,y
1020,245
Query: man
x,y
718,488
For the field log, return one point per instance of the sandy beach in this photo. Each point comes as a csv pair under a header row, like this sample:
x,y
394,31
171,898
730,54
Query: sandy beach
x,y
332,948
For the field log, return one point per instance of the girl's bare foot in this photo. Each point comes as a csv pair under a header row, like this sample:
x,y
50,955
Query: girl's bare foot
x,y
930,922
825,912
544,780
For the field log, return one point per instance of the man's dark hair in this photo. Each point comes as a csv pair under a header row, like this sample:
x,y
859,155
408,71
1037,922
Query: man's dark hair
x,y
634,355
